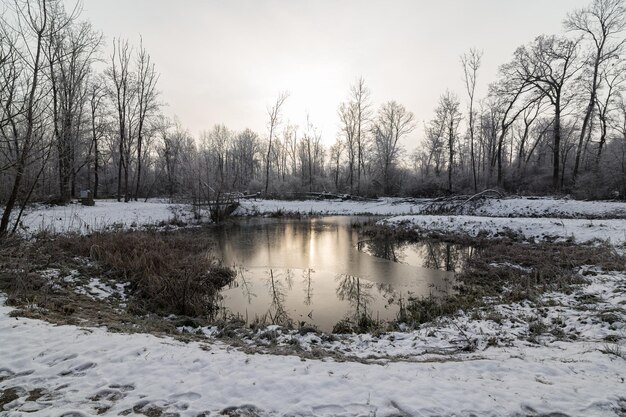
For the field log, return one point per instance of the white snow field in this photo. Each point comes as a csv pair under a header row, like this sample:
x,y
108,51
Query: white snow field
x,y
82,372
532,218
535,229
68,371
106,214
109,214
506,207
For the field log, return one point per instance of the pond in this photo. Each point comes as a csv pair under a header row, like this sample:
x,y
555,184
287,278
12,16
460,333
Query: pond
x,y
319,271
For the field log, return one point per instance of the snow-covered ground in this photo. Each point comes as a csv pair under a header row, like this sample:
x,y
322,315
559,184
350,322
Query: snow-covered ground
x,y
536,229
551,207
531,218
110,214
382,207
104,215
48,370
507,207
67,371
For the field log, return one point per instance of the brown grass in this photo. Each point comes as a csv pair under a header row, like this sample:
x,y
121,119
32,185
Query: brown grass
x,y
510,271
169,273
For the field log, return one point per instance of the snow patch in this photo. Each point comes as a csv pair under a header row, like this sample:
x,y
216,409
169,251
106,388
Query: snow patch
x,y
86,372
537,229
96,289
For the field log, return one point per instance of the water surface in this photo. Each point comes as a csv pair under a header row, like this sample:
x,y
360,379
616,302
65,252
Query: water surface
x,y
319,271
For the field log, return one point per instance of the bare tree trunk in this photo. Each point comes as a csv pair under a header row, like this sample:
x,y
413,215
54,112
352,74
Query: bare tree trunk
x,y
499,158
274,114
147,79
119,165
471,64
30,119
267,159
557,146
139,155
451,153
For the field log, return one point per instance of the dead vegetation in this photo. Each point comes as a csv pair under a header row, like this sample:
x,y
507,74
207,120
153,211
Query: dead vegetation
x,y
166,273
172,273
459,204
507,272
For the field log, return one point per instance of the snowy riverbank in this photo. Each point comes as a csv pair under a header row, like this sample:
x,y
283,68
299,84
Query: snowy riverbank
x,y
535,229
507,207
110,214
64,370
563,354
104,215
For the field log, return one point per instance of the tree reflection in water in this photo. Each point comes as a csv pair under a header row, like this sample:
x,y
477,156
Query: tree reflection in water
x,y
277,313
288,269
307,276
444,256
382,248
357,292
242,282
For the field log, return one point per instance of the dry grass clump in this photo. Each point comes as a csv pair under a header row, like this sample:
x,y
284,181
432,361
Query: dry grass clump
x,y
168,273
524,271
511,272
17,278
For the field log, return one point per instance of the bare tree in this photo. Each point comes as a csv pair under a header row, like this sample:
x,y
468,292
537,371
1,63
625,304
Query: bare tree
x,y
354,117
347,118
511,97
529,116
97,96
246,149
620,155
174,147
336,153
274,113
471,64
449,107
219,140
71,51
147,78
33,24
391,124
434,145
548,64
311,154
600,24
360,99
123,96
607,100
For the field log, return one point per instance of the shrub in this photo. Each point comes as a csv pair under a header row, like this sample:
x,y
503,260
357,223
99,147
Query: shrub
x,y
169,274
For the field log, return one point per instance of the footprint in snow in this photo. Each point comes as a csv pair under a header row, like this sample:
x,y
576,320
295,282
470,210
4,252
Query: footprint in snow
x,y
6,373
108,395
241,411
123,388
78,370
151,409
189,396
333,409
56,361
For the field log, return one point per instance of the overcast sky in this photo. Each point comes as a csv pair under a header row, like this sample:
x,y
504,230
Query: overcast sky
x,y
226,61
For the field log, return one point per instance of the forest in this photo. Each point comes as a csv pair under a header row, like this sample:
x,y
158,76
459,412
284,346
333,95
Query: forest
x,y
80,112
280,208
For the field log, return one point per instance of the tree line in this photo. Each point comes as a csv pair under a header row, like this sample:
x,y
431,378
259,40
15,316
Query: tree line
x,y
78,113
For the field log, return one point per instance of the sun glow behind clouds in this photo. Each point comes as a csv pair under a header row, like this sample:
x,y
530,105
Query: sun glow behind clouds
x,y
313,90
226,61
